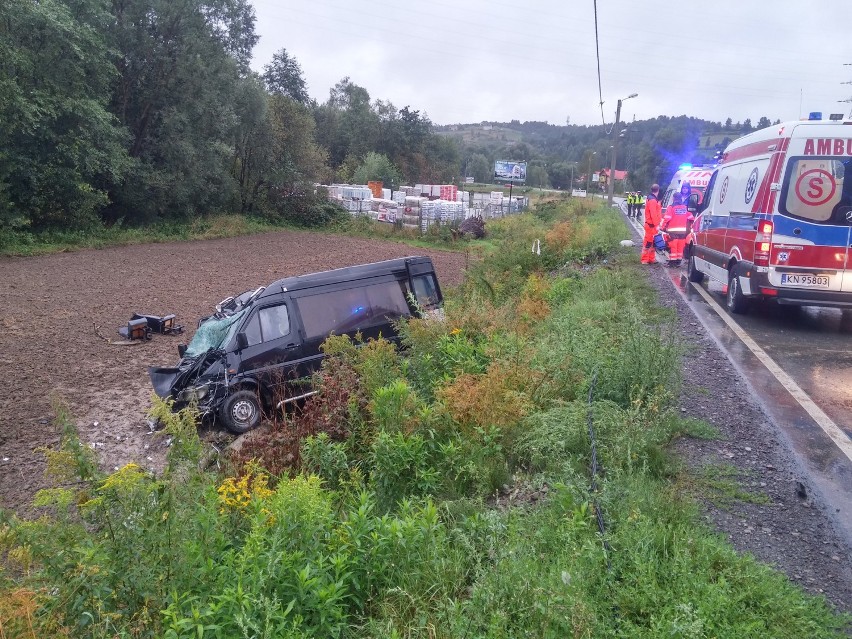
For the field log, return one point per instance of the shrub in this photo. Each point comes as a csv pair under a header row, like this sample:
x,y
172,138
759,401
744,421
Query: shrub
x,y
325,458
402,467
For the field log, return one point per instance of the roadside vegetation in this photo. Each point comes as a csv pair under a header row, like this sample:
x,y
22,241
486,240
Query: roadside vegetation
x,y
506,475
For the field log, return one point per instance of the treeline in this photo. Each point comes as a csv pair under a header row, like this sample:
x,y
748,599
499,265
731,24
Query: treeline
x,y
650,150
137,111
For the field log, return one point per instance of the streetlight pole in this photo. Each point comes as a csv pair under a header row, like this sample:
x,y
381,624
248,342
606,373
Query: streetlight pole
x,y
571,185
615,133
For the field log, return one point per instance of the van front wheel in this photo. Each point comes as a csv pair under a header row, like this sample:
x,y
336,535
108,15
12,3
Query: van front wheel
x,y
737,302
241,411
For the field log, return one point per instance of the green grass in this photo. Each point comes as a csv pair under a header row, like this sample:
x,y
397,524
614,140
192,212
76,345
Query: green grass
x,y
721,484
455,501
212,227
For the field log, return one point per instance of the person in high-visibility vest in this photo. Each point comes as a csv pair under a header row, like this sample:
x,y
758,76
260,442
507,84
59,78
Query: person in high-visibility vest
x,y
630,203
640,204
653,213
676,223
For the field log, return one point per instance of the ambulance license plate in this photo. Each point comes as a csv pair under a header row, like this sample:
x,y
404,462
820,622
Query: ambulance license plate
x,y
807,281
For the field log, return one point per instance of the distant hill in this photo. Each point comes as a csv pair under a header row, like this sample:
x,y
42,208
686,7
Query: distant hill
x,y
649,150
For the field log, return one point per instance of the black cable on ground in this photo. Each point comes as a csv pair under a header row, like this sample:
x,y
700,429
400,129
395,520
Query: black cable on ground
x,y
594,472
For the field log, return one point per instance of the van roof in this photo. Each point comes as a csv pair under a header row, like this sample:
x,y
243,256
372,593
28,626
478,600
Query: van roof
x,y
791,128
347,274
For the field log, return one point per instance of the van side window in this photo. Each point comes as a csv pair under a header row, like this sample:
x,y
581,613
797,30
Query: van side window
x,y
252,330
425,291
267,324
351,309
274,322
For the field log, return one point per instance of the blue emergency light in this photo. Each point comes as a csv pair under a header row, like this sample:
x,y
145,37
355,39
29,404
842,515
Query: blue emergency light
x,y
815,115
685,166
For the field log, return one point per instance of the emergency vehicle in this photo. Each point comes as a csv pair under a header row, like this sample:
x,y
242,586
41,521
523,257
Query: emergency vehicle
x,y
698,177
776,217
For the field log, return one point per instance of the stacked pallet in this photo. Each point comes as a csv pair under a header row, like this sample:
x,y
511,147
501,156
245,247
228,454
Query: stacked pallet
x,y
411,211
383,210
448,192
441,212
375,188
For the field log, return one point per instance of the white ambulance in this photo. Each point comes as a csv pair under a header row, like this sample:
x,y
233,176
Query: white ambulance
x,y
776,217
698,177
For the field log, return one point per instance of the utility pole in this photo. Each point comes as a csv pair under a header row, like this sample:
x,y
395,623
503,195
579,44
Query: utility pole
x,y
615,134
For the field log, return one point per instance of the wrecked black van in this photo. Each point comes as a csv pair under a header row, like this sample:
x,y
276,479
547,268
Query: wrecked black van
x,y
250,353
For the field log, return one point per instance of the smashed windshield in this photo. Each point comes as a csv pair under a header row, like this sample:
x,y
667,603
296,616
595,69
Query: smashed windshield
x,y
213,333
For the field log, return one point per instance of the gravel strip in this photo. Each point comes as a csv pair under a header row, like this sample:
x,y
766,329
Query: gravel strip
x,y
794,530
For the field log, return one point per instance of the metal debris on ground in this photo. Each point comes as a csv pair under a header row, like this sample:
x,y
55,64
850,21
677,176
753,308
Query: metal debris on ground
x,y
164,325
111,342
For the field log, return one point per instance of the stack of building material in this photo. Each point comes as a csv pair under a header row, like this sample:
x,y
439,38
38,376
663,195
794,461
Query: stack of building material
x,y
375,188
411,211
448,192
441,212
358,192
384,210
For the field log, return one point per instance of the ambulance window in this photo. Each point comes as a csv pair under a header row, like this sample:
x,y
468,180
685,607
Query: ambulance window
x,y
816,189
708,193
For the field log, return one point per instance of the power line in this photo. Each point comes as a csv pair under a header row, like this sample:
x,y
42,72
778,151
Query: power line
x,y
598,56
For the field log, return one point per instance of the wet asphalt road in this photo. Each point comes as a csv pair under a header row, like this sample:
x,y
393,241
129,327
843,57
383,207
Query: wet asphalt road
x,y
813,346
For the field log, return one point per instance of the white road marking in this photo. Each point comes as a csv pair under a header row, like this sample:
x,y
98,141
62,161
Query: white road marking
x,y
834,432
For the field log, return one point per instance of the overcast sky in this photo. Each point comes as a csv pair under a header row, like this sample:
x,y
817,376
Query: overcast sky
x,y
472,60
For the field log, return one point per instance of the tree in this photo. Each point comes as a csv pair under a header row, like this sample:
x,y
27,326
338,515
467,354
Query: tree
x,y
377,167
479,168
728,124
763,122
346,124
283,76
60,149
179,68
747,126
537,176
559,174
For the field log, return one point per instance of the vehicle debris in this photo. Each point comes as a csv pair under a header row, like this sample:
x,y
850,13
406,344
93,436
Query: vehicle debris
x,y
164,325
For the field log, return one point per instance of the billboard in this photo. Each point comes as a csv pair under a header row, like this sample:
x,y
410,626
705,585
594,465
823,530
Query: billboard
x,y
510,171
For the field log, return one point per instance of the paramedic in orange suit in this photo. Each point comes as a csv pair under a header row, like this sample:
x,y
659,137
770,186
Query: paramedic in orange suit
x,y
676,223
653,213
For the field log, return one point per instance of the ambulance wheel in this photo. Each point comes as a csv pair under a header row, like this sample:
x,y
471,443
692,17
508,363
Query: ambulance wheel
x,y
736,301
692,272
241,411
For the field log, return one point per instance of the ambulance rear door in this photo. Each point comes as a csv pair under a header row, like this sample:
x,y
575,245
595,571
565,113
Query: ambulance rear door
x,y
813,226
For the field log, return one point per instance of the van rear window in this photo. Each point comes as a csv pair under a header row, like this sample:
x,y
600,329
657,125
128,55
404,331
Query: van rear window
x,y
816,189
352,309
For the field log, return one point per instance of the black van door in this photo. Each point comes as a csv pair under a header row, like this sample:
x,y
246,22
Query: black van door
x,y
368,307
271,347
